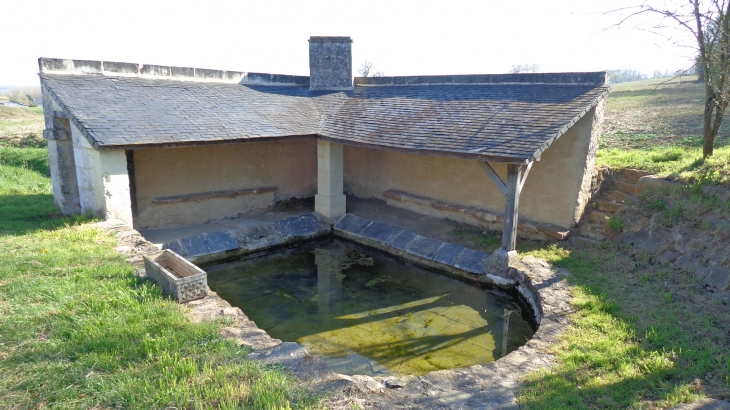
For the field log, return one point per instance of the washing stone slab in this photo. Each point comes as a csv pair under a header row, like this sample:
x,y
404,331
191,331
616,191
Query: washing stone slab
x,y
424,247
448,254
203,244
381,232
472,261
352,223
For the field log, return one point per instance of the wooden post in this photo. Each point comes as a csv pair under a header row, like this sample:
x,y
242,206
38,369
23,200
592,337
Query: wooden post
x,y
516,174
511,204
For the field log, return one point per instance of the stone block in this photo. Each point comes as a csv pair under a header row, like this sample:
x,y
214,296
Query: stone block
x,y
208,74
716,276
654,182
403,239
381,232
501,261
177,277
353,224
208,243
299,225
182,72
472,261
448,254
424,247
175,247
121,68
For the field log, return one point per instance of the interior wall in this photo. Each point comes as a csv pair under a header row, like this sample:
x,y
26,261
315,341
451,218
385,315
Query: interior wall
x,y
290,166
551,193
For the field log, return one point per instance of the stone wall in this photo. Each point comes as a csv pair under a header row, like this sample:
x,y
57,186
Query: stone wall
x,y
289,166
556,191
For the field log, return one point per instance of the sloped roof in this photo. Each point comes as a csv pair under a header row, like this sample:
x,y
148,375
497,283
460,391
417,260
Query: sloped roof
x,y
489,117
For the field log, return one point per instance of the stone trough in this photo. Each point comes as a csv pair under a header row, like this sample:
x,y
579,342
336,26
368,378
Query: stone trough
x,y
177,277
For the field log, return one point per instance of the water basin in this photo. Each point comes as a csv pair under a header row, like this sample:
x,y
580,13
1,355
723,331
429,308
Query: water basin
x,y
363,312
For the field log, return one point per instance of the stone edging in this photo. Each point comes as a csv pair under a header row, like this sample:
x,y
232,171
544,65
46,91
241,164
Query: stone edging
x,y
493,385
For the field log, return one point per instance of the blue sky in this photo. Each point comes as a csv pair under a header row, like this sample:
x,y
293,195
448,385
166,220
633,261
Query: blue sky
x,y
399,37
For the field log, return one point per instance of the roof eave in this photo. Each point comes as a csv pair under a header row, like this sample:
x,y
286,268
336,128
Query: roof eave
x,y
427,152
536,155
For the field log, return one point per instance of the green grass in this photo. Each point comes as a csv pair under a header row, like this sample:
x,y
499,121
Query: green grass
x,y
79,330
22,127
657,127
641,336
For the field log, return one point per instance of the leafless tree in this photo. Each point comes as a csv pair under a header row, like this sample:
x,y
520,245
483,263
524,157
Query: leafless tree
x,y
366,70
524,68
708,21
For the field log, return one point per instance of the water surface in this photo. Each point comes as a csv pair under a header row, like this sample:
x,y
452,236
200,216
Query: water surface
x,y
365,313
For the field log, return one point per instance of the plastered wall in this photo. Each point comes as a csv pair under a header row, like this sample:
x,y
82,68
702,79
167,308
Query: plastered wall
x,y
290,166
555,192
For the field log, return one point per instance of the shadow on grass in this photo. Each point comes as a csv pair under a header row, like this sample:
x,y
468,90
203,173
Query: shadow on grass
x,y
641,335
22,214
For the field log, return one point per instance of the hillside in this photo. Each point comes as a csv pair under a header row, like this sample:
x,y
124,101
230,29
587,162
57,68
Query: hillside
x,y
656,125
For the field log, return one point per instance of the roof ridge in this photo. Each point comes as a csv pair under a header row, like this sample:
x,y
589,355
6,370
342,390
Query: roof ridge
x,y
595,78
164,72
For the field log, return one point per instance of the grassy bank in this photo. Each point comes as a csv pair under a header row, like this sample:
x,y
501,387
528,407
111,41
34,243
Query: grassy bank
x,y
641,336
657,126
79,330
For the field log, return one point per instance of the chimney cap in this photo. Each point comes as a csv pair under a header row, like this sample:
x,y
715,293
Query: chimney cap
x,y
330,39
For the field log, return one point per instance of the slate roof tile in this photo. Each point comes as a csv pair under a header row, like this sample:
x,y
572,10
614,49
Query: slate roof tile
x,y
502,121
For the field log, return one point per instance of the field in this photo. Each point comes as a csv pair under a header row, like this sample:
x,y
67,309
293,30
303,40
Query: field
x,y
78,330
656,125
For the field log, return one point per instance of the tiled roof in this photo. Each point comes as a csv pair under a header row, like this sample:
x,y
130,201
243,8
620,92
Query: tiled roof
x,y
498,121
510,121
128,111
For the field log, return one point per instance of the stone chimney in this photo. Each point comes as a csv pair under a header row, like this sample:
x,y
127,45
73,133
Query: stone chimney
x,y
330,63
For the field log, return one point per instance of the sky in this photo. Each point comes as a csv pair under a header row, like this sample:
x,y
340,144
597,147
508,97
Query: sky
x,y
399,37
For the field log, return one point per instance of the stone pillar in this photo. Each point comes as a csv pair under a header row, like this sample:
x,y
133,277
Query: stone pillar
x,y
103,180
330,200
60,157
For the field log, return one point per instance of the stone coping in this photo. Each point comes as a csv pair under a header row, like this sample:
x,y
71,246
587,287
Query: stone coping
x,y
212,246
577,78
476,387
463,213
492,386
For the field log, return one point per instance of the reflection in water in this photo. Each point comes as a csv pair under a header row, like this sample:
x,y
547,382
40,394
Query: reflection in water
x,y
364,313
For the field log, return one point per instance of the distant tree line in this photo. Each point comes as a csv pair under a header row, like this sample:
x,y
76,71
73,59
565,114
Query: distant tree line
x,y
24,95
627,75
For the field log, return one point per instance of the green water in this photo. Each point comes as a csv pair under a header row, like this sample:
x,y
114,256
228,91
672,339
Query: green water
x,y
365,313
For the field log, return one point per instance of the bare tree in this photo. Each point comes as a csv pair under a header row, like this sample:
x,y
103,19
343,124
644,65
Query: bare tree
x,y
708,21
524,68
366,70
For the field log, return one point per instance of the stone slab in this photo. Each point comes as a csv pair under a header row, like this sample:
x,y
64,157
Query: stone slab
x,y
424,247
352,223
403,239
299,225
448,254
381,232
472,261
208,243
286,354
175,247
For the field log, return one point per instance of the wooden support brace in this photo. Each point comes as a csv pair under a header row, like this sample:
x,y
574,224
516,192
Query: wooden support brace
x,y
493,175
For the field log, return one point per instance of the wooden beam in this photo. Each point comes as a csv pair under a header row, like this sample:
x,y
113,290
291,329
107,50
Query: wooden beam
x,y
493,175
511,205
524,174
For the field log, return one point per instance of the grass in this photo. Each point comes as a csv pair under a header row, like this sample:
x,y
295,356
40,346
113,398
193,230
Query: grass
x,y
657,126
79,330
641,336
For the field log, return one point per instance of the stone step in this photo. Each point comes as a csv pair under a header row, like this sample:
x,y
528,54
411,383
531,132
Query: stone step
x,y
593,231
597,217
631,176
625,187
609,206
615,196
585,240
